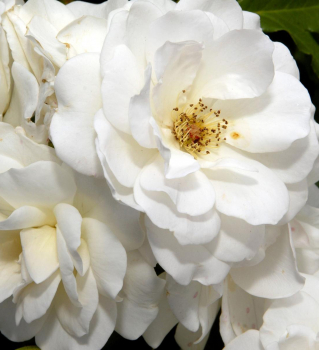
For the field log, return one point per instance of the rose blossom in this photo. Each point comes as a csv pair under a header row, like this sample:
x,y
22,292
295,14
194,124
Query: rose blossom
x,y
198,120
68,254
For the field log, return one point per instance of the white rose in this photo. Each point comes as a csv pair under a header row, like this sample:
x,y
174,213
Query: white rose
x,y
128,108
68,254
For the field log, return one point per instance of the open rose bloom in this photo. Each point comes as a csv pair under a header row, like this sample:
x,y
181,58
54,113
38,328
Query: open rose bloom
x,y
182,137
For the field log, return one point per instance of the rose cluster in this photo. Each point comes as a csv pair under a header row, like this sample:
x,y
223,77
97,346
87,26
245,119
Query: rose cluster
x,y
148,132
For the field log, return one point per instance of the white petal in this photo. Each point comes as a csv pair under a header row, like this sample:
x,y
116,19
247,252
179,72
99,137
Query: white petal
x,y
238,65
285,104
193,194
185,263
121,81
81,8
247,341
42,184
24,331
176,65
241,311
228,10
46,35
142,291
140,114
300,309
298,195
251,21
52,336
56,13
295,163
26,217
184,302
67,269
94,200
86,34
174,27
108,257
69,221
10,270
276,276
160,327
77,88
40,252
239,193
283,60
141,15
35,299
76,320
123,154
25,96
237,240
186,229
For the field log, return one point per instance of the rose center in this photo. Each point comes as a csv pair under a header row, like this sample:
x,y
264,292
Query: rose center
x,y
198,130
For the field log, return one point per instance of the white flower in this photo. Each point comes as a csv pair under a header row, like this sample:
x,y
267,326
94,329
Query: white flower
x,y
68,254
200,121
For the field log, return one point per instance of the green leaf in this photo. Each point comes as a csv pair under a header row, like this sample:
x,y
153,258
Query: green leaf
x,y
300,18
29,348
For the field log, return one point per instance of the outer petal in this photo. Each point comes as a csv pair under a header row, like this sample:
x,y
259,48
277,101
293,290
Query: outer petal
x,y
76,320
239,193
35,299
295,163
94,200
184,302
238,65
10,270
24,331
123,154
283,60
87,34
108,257
241,311
236,240
185,263
187,229
40,252
271,122
228,10
299,309
142,291
174,27
193,194
67,269
52,336
69,221
81,8
43,184
77,89
26,217
276,276
122,79
251,21
140,114
247,341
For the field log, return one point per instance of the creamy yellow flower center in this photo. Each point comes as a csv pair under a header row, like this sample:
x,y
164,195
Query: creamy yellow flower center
x,y
198,129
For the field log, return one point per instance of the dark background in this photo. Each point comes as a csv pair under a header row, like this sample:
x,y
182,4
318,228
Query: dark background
x,y
311,82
